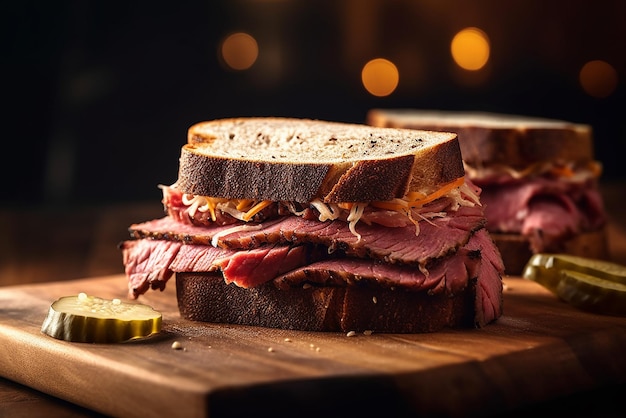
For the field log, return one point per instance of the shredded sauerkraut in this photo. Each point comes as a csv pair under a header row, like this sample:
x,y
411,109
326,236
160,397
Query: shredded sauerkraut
x,y
570,171
458,192
232,230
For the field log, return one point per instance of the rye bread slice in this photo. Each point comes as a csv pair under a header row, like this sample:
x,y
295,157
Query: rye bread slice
x,y
205,297
288,159
492,138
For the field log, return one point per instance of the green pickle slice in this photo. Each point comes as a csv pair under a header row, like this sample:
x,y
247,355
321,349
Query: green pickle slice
x,y
589,284
592,293
90,319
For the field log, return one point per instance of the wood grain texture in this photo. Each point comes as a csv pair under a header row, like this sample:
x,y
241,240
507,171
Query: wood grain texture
x,y
540,349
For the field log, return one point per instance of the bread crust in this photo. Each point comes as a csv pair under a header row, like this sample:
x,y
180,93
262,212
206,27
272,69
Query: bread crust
x,y
491,138
515,248
435,161
247,179
206,297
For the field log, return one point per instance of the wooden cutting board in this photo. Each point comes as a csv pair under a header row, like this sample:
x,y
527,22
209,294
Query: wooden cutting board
x,y
540,349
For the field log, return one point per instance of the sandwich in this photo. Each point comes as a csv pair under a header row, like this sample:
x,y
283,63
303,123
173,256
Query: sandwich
x,y
539,179
320,226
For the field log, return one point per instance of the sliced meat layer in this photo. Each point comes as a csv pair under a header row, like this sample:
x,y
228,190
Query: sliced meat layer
x,y
547,211
149,264
477,261
437,237
489,301
451,274
250,268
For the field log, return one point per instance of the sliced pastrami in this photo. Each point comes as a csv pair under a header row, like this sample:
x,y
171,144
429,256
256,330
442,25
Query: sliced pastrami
x,y
168,228
450,274
548,211
478,261
489,302
250,268
437,236
149,264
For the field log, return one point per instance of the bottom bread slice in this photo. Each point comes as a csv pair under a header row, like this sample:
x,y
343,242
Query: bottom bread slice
x,y
515,248
206,297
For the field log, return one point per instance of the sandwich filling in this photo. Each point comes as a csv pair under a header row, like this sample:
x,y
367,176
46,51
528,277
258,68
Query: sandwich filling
x,y
437,244
547,202
400,212
572,171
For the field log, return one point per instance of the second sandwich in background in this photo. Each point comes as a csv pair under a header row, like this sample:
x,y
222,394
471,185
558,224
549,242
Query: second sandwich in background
x,y
539,178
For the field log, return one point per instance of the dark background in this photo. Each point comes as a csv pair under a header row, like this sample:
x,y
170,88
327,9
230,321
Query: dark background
x,y
98,96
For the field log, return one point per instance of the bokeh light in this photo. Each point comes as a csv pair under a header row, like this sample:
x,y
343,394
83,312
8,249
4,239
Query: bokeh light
x,y
598,78
239,51
470,49
380,77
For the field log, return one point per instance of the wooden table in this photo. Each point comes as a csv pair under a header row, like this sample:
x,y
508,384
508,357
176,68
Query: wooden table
x,y
52,246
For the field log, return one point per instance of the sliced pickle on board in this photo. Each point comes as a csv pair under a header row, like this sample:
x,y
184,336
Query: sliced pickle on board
x,y
548,278
592,293
593,285
90,319
595,267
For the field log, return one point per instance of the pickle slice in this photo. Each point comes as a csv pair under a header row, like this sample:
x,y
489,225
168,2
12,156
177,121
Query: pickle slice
x,y
589,284
548,278
90,319
592,293
552,264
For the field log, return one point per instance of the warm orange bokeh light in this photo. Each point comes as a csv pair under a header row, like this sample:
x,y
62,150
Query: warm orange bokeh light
x,y
598,78
470,49
380,77
239,51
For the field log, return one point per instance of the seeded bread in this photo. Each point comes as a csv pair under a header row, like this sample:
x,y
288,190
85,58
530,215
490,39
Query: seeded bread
x,y
518,140
284,159
206,297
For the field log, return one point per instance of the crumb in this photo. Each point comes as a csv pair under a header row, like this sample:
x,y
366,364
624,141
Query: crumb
x,y
287,340
351,334
270,349
368,332
374,299
318,349
176,345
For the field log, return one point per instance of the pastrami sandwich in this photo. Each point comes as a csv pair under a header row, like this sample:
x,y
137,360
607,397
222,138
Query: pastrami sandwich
x,y
320,226
539,179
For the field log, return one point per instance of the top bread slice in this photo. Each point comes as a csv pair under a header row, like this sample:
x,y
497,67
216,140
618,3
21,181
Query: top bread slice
x,y
494,138
290,159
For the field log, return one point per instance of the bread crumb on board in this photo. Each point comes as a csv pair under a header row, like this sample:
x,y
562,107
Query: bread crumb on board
x,y
354,333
